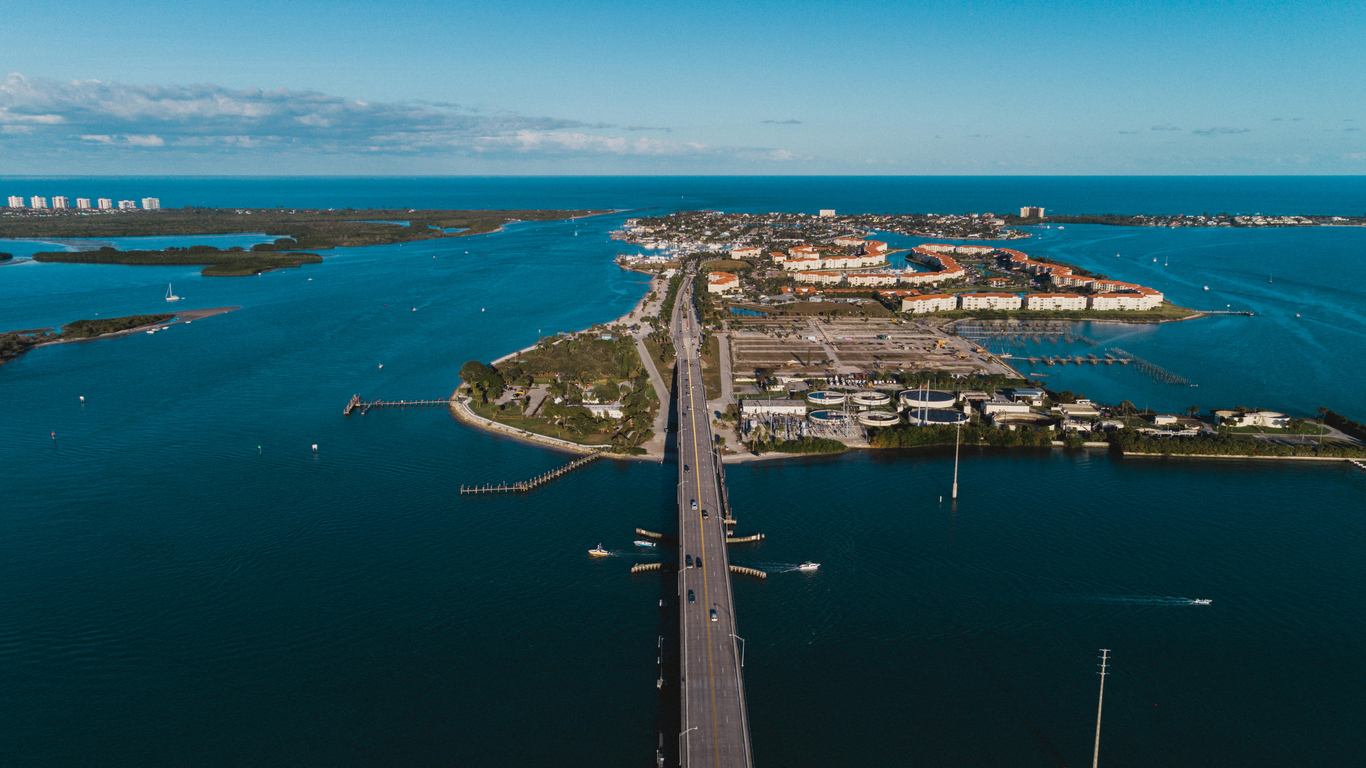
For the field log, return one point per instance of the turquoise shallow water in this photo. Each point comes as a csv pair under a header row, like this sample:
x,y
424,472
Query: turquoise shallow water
x,y
176,597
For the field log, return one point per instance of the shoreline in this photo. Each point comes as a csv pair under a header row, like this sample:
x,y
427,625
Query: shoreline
x,y
180,317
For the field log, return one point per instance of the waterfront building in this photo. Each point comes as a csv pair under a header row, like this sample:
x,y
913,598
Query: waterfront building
x,y
105,203
37,202
60,202
82,203
822,278
749,252
871,278
1132,301
998,301
1055,301
1252,419
605,410
16,201
722,282
151,203
796,264
1031,212
827,213
849,242
128,205
947,267
935,302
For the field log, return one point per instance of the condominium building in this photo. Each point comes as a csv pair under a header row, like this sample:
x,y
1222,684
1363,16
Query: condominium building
x,y
16,201
105,203
824,278
990,301
82,203
743,253
1055,301
1031,212
827,213
722,282
936,302
128,205
60,202
872,278
151,203
37,202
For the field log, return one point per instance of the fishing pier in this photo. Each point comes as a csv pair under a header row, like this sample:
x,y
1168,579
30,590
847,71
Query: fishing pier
x,y
530,485
357,403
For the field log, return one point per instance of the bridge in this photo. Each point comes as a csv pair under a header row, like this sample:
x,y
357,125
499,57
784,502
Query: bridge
x,y
714,730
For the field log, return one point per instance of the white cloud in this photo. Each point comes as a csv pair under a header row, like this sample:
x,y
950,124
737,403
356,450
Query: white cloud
x,y
39,114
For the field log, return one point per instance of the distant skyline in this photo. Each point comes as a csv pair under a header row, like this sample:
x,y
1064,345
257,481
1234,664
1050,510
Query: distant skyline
x,y
533,88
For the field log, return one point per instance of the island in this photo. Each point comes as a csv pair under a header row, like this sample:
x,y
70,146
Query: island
x,y
15,343
230,262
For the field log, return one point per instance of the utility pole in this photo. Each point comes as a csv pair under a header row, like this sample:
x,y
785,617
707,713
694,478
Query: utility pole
x,y
1104,665
956,437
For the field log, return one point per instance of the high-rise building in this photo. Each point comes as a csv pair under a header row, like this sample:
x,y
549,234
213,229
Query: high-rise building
x,y
151,203
1031,212
827,213
82,203
60,202
16,201
105,203
128,205
37,202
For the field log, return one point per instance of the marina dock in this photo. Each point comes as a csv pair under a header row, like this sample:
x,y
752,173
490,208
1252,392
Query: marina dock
x,y
530,485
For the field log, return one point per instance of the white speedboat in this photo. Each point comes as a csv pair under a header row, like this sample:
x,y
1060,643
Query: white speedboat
x,y
808,566
598,551
644,543
1201,602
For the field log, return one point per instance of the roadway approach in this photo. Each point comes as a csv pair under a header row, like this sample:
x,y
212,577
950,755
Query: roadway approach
x,y
715,725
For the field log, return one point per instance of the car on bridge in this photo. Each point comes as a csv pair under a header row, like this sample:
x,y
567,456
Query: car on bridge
x,y
691,597
713,614
694,503
687,559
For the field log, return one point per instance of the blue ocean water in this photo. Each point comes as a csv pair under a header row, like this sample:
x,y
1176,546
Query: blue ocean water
x,y
188,583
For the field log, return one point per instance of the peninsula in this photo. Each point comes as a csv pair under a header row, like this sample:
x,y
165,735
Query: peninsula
x,y
15,343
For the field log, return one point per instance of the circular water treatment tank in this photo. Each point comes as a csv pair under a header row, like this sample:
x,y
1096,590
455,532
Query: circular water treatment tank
x,y
927,398
827,417
1013,420
878,419
825,397
936,418
871,397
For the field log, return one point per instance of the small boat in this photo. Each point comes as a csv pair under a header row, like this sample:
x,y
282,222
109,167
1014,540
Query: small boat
x,y
645,543
598,551
1201,602
808,566
153,331
171,296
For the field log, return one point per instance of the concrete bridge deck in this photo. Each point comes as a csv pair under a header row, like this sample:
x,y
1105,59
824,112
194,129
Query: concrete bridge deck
x,y
715,728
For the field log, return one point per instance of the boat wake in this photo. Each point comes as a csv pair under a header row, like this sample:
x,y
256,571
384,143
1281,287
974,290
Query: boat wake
x,y
1144,600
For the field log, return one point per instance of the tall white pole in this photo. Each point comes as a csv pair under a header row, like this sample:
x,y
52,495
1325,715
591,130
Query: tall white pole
x,y
956,437
1104,662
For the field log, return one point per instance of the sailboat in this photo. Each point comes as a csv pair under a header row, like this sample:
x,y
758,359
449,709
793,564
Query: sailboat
x,y
171,296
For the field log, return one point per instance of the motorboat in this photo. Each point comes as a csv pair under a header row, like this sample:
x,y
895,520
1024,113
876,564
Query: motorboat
x,y
1205,601
808,566
598,551
644,543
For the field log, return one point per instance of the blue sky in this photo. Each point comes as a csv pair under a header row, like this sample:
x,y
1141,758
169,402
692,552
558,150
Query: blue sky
x,y
682,88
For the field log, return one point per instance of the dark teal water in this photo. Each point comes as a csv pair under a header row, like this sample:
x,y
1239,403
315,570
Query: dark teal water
x,y
173,596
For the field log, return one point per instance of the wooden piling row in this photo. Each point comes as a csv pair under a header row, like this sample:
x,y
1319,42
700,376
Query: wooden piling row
x,y
1157,372
535,482
744,539
755,572
643,567
649,534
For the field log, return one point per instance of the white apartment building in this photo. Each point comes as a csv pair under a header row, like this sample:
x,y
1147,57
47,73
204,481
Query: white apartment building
x,y
722,282
37,202
151,203
827,213
821,278
796,264
105,203
60,202
848,242
16,201
82,203
742,253
1055,301
871,278
128,205
938,302
990,301
1109,301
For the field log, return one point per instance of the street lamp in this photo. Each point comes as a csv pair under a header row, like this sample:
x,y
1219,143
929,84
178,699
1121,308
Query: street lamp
x,y
682,754
742,648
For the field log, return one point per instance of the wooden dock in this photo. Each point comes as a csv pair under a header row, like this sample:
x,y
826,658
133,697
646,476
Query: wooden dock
x,y
358,402
529,485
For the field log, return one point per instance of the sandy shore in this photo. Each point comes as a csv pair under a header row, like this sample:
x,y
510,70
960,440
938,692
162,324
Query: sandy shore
x,y
180,317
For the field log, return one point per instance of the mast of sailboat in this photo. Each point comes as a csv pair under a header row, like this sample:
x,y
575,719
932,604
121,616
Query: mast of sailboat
x,y
958,431
1104,667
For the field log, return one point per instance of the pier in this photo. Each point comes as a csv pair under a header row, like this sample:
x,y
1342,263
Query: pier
x,y
535,482
1157,372
357,402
